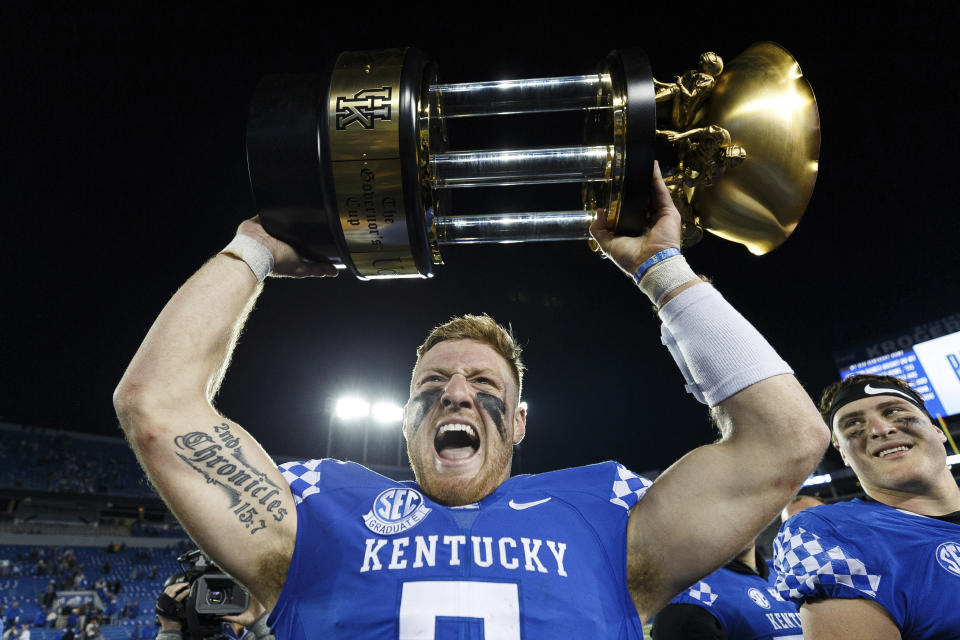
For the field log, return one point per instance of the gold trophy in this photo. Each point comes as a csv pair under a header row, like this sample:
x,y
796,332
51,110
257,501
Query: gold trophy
x,y
354,167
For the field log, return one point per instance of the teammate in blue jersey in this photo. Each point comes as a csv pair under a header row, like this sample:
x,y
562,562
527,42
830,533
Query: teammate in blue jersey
x,y
736,602
886,567
336,551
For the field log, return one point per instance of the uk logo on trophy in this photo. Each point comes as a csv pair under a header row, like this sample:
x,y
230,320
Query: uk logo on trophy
x,y
364,108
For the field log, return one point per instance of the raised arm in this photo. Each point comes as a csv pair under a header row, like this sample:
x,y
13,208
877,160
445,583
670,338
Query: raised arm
x,y
221,485
847,618
714,500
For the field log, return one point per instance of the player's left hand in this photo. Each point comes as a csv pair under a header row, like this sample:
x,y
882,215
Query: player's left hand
x,y
630,252
246,618
286,262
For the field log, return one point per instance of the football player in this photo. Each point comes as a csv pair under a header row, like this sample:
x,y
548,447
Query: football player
x,y
736,602
335,550
887,566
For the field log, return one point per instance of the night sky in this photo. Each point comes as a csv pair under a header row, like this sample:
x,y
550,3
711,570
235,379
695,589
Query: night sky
x,y
123,170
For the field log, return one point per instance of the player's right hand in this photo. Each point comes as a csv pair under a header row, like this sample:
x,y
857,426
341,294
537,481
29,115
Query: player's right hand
x,y
286,262
630,252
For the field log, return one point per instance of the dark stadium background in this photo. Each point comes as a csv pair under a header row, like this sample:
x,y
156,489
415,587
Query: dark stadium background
x,y
123,170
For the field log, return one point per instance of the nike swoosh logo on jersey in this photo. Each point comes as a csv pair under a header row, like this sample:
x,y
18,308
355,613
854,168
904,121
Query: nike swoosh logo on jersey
x,y
520,506
873,391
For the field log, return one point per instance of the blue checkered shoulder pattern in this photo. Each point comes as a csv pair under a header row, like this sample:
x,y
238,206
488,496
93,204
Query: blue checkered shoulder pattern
x,y
810,566
702,592
628,488
303,478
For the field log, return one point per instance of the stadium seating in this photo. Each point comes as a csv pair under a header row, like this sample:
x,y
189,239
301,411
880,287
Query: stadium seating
x,y
28,588
52,461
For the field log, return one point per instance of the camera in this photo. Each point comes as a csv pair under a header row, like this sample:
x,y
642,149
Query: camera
x,y
212,594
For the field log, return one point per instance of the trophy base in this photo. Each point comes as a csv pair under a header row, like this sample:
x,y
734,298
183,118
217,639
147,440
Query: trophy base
x,y
337,163
289,168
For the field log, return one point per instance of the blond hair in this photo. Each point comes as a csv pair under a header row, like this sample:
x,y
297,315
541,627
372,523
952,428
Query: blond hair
x,y
483,329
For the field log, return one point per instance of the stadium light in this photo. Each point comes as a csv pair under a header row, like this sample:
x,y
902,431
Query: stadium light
x,y
952,460
387,412
815,480
352,407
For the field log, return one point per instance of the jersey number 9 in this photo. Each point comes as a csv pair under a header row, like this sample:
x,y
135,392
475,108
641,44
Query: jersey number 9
x,y
425,604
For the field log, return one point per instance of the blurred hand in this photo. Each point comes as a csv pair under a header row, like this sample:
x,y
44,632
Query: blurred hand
x,y
286,262
246,619
630,252
178,591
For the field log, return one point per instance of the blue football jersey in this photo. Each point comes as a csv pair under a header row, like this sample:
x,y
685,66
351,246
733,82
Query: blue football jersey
x,y
544,556
746,605
907,563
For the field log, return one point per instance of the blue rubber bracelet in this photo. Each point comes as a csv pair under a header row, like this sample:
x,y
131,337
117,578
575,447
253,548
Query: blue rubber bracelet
x,y
652,260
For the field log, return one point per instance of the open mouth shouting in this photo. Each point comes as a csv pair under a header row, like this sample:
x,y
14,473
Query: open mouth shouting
x,y
456,441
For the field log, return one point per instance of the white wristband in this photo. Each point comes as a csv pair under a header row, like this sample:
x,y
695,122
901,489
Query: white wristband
x,y
717,350
253,252
663,277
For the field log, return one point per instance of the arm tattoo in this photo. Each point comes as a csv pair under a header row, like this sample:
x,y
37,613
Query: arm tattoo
x,y
225,466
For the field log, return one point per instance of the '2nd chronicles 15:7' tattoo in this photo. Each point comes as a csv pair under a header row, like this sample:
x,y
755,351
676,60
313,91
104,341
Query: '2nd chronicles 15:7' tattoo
x,y
223,464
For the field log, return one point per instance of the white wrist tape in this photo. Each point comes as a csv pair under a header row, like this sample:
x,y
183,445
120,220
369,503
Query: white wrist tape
x,y
717,350
253,252
663,277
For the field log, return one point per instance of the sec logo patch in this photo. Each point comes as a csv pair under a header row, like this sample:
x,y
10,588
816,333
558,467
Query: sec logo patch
x,y
758,598
948,555
396,510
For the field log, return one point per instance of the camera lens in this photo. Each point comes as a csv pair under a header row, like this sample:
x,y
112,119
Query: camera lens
x,y
215,597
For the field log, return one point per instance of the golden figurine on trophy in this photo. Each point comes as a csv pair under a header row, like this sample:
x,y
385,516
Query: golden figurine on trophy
x,y
689,91
354,167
